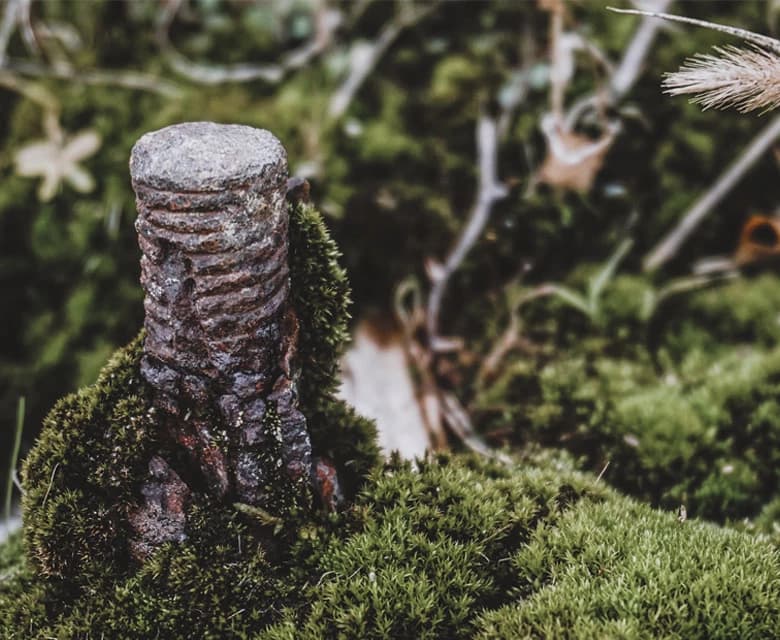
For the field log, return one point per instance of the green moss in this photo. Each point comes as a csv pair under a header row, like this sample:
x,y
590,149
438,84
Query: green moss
x,y
321,297
79,478
595,575
453,547
429,549
706,435
744,311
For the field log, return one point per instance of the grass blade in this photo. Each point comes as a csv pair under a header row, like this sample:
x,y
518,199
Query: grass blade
x,y
9,489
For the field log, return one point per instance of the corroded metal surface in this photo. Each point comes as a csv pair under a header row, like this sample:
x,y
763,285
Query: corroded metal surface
x,y
161,517
220,331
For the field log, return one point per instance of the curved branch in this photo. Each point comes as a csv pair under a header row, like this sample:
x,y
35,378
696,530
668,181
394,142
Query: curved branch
x,y
489,192
327,21
671,243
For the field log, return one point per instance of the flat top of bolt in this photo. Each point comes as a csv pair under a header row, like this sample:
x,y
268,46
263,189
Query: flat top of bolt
x,y
205,156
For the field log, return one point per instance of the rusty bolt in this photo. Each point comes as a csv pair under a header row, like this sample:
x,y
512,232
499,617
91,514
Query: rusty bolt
x,y
221,333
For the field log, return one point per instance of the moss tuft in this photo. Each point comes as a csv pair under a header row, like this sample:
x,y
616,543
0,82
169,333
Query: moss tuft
x,y
79,479
321,298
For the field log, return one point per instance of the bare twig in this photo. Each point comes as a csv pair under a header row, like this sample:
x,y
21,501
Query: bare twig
x,y
11,16
20,409
630,66
490,190
754,38
744,78
411,316
624,76
558,79
694,282
28,33
362,65
670,244
458,420
511,337
114,78
327,21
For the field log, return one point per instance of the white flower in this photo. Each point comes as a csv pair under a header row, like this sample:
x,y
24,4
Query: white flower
x,y
56,159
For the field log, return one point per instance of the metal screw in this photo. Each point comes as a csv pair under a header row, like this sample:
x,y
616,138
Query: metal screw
x,y
220,331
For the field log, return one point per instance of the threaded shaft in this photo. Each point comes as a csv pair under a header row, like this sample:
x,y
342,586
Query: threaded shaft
x,y
220,331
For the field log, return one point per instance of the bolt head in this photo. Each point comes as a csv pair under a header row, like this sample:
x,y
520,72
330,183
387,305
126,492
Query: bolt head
x,y
208,157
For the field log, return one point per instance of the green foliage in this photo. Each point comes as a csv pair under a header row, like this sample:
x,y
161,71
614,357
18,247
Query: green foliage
x,y
686,410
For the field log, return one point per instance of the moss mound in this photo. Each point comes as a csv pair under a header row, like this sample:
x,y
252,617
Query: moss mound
x,y
452,548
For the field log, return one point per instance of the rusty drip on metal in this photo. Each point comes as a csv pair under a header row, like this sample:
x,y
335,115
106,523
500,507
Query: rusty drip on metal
x,y
221,332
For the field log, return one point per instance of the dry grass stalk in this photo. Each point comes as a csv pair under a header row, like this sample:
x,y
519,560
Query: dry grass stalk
x,y
745,78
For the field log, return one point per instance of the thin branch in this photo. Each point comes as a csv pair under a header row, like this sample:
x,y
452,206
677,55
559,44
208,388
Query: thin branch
x,y
411,316
10,21
749,36
630,66
744,78
28,33
363,65
558,80
511,337
671,243
460,423
625,75
490,190
116,78
326,24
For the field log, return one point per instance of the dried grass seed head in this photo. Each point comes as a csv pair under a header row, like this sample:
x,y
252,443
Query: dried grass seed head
x,y
745,78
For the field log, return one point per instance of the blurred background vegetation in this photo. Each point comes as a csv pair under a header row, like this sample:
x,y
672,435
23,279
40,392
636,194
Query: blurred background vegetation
x,y
564,339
